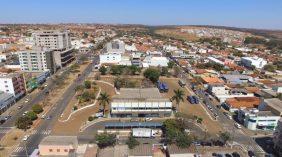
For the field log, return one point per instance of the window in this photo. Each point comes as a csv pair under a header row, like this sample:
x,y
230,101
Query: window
x,y
50,150
58,150
66,150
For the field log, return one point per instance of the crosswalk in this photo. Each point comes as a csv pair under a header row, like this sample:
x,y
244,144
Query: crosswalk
x,y
4,130
19,150
44,132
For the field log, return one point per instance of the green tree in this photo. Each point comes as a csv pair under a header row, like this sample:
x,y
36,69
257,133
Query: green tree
x,y
134,69
269,67
87,84
117,69
23,123
132,142
164,71
37,108
103,70
170,64
32,115
178,96
173,128
119,82
104,99
183,140
79,88
152,74
225,136
105,140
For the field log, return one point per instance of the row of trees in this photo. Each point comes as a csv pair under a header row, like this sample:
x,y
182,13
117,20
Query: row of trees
x,y
217,67
121,69
25,121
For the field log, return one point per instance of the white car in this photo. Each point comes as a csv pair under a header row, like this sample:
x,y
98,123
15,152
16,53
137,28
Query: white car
x,y
148,119
25,138
238,126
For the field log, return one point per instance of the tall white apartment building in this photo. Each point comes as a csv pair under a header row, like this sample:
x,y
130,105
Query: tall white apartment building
x,y
56,40
257,62
38,60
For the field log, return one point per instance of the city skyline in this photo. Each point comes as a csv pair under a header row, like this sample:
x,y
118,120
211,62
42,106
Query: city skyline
x,y
260,14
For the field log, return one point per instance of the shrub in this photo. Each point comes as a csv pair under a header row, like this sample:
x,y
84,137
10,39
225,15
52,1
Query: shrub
x,y
75,108
132,142
104,140
90,118
32,115
37,108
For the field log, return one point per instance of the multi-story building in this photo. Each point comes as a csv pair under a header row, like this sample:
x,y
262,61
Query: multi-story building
x,y
38,60
56,40
115,46
277,138
110,58
6,100
254,119
257,62
138,102
13,83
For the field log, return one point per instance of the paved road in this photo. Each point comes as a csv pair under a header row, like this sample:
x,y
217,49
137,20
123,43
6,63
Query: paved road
x,y
45,127
238,135
34,99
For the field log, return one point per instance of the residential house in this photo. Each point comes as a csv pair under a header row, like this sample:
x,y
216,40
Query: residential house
x,y
233,104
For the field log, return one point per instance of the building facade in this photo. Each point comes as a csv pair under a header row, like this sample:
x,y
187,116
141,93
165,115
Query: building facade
x,y
254,119
13,83
135,102
56,40
257,62
6,100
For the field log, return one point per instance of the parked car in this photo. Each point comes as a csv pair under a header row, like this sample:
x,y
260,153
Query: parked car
x,y
148,119
238,126
251,153
25,138
235,154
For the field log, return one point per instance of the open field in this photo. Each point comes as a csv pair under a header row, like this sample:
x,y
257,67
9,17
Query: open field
x,y
175,33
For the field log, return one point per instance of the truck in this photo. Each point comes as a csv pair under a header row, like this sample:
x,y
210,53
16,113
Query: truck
x,y
181,83
162,86
193,99
144,132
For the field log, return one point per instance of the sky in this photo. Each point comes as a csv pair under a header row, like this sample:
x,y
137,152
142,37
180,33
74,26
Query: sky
x,y
266,14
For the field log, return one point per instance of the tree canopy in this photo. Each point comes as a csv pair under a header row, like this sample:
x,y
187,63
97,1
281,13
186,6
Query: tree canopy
x,y
152,74
105,140
37,108
23,123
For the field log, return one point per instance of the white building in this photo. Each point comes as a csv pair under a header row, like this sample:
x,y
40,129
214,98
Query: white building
x,y
131,48
217,89
155,61
13,83
110,58
6,100
3,57
257,62
115,46
254,119
56,40
169,48
212,59
135,102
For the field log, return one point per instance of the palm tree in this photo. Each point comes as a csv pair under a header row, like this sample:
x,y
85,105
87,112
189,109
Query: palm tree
x,y
178,96
104,99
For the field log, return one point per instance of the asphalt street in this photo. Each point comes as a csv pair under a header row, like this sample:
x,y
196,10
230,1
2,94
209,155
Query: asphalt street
x,y
46,125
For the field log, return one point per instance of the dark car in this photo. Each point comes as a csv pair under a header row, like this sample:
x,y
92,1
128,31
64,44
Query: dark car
x,y
251,153
228,155
214,154
235,154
